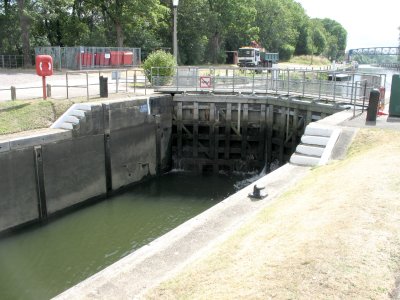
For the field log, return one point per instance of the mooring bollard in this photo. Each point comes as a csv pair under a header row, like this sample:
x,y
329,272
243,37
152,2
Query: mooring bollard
x,y
13,93
372,110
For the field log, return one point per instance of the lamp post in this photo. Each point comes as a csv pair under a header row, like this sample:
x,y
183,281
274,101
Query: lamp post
x,y
175,39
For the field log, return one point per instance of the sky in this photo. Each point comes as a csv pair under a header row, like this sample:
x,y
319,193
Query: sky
x,y
368,23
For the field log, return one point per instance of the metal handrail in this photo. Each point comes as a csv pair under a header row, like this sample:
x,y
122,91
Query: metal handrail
x,y
301,82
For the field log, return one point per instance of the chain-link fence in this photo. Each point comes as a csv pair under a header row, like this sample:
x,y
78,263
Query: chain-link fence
x,y
11,61
86,58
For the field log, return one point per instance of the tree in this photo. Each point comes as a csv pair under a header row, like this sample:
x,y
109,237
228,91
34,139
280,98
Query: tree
x,y
228,19
279,23
336,37
24,22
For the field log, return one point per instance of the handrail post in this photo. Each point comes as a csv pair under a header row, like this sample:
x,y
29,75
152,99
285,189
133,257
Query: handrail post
x,y
288,81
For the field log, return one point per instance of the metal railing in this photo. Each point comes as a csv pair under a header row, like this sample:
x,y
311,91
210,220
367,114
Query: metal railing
x,y
340,86
11,61
120,80
120,76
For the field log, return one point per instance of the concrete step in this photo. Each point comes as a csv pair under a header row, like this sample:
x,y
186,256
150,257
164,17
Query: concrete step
x,y
77,113
66,125
304,160
83,106
318,130
310,150
72,119
314,140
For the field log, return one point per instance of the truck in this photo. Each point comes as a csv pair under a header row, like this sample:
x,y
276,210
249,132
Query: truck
x,y
256,57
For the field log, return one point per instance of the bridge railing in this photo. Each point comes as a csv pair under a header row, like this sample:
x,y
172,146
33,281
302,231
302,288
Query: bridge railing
x,y
340,86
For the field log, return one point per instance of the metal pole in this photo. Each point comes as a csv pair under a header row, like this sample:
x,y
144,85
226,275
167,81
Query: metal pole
x,y
175,38
87,86
44,87
233,80
126,80
252,87
354,104
134,81
117,81
288,82
365,96
66,79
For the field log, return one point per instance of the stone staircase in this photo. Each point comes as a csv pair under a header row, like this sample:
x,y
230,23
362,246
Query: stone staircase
x,y
72,116
316,145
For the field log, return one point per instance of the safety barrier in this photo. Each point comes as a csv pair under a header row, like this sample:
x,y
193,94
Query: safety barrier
x,y
324,84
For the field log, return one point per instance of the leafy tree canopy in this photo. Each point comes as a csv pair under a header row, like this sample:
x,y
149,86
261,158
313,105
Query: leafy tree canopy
x,y
206,28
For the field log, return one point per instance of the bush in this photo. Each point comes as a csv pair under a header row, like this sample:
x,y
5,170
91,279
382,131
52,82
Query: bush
x,y
165,61
286,52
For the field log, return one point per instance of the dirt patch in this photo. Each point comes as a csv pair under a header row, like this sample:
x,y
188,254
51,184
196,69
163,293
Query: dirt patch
x,y
335,235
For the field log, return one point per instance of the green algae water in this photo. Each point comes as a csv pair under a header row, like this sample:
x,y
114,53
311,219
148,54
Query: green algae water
x,y
42,261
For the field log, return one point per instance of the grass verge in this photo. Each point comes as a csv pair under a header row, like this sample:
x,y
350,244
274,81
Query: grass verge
x,y
336,235
16,116
308,60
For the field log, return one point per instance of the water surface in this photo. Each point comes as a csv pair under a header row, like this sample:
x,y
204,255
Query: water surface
x,y
41,262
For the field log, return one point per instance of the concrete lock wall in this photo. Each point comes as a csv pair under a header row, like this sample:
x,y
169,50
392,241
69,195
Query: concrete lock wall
x,y
18,199
114,145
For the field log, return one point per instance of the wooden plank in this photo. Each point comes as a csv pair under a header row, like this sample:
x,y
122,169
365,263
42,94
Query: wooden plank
x,y
268,141
179,128
228,125
213,138
295,129
267,99
244,123
282,131
195,129
262,133
309,117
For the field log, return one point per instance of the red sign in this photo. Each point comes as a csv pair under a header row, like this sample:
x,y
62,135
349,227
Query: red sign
x,y
44,65
205,81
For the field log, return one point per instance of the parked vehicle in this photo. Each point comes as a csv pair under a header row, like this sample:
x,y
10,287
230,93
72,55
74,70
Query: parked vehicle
x,y
256,57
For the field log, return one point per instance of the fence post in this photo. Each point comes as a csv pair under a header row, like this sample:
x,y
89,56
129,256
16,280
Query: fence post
x,y
2,60
13,93
134,81
126,80
87,86
66,79
48,90
117,81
